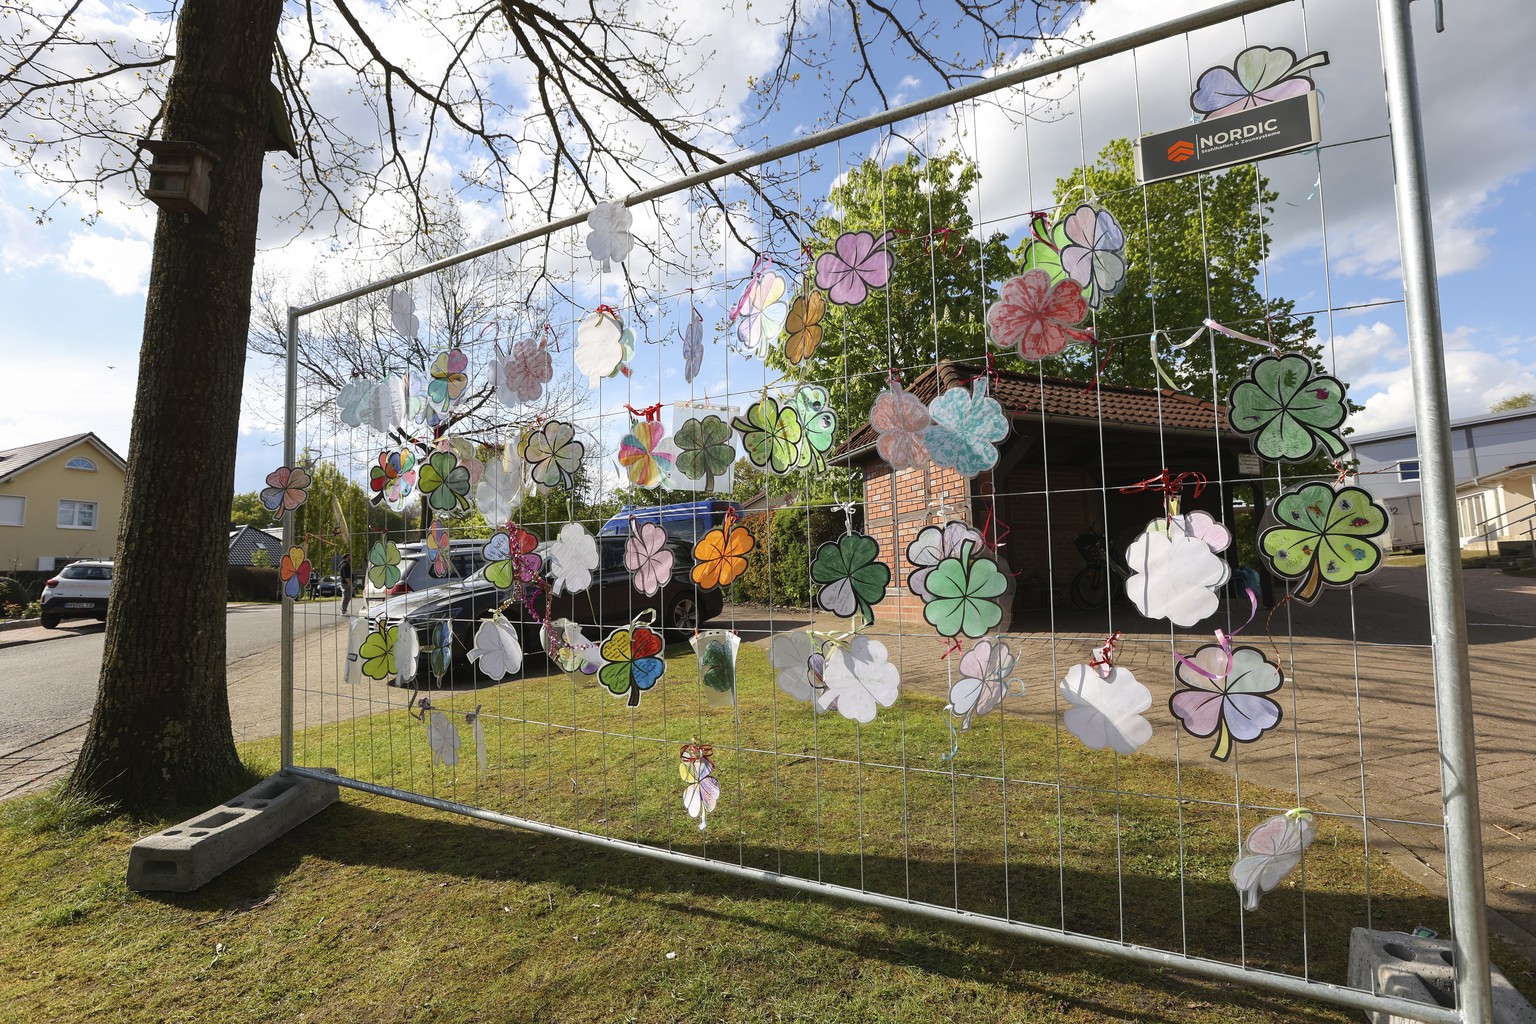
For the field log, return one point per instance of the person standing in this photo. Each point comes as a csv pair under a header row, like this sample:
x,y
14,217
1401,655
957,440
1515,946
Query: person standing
x,y
346,582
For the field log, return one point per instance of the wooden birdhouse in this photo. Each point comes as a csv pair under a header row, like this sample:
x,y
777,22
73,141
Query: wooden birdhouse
x,y
179,176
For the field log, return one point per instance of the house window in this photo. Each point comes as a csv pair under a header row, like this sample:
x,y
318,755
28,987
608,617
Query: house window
x,y
13,510
77,515
1407,470
80,462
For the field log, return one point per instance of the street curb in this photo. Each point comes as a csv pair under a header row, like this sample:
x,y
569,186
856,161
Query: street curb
x,y
19,624
52,635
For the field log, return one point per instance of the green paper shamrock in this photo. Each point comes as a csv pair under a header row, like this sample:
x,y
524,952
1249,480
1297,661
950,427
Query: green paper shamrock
x,y
771,434
818,422
852,575
718,674
378,651
384,564
445,482
1323,537
964,592
1289,409
704,449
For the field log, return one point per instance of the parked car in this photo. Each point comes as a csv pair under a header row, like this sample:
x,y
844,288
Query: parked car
x,y
465,557
326,586
79,591
611,601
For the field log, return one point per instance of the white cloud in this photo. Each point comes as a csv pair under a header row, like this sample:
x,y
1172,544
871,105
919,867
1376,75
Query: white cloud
x,y
1474,379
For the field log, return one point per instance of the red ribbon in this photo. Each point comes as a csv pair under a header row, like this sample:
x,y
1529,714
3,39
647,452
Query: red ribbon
x,y
649,414
1168,484
1105,659
605,308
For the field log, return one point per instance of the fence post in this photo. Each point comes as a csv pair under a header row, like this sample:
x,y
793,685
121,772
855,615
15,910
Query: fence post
x,y
290,453
1442,548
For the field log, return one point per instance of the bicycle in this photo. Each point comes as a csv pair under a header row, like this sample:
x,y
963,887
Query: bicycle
x,y
1089,590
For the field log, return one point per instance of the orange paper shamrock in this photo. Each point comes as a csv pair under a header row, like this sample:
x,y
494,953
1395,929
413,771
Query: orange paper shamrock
x,y
721,554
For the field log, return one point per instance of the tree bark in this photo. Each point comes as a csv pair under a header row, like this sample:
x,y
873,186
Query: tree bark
x,y
160,733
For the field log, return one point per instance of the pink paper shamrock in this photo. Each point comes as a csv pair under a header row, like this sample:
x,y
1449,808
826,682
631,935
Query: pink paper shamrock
x,y
859,261
1035,317
899,419
523,373
648,558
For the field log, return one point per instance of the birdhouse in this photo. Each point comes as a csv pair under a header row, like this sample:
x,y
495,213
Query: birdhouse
x,y
179,175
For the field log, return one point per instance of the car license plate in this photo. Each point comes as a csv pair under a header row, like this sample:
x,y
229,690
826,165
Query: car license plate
x,y
78,604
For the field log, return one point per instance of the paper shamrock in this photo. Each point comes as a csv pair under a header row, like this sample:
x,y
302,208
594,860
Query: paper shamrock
x,y
440,651
721,554
610,238
1259,75
501,486
572,558
1106,709
377,651
648,558
1085,246
1036,317
553,454
521,375
1174,576
355,403
858,680
851,574
986,671
817,425
631,662
931,546
419,407
716,651
760,314
705,449
383,564
967,425
900,420
1323,537
963,590
294,573
510,557
771,435
798,664
407,654
603,344
858,262
402,314
1289,409
497,652
438,546
1271,852
804,325
701,791
444,482
642,456
693,345
569,648
1224,694
393,479
287,488
449,379
442,739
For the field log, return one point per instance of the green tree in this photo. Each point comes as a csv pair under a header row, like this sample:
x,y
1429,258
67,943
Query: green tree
x,y
1524,400
935,303
247,510
1195,248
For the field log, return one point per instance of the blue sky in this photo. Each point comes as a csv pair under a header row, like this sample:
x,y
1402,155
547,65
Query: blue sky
x,y
74,292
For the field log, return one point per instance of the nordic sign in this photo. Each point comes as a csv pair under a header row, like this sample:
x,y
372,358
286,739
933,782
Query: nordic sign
x,y
1240,138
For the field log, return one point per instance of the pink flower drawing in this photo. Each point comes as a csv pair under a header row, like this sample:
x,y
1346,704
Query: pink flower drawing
x,y
899,419
859,261
1035,317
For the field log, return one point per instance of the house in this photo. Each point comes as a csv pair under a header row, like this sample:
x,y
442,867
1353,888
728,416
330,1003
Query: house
x,y
60,501
1494,461
245,541
1074,462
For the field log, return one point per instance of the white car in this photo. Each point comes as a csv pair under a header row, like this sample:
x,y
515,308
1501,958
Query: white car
x,y
79,591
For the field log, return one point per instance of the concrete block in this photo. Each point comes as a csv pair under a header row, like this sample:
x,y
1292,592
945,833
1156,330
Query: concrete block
x,y
188,856
1410,967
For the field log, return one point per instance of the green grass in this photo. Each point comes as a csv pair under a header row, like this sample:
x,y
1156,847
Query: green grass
x,y
1471,558
380,910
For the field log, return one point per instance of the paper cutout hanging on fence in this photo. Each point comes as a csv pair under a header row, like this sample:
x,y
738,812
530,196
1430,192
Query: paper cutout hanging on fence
x,y
1224,694
760,314
501,486
641,454
294,572
603,345
721,554
444,482
1106,709
443,739
354,402
648,557
631,659
967,426
1035,317
521,374
407,654
439,648
377,404
818,424
358,628
693,345
716,652
1086,246
572,559
803,325
701,790
511,558
986,675
438,542
610,238
1174,575
393,479
402,310
931,546
900,420
771,434
498,653
450,379
1272,851
798,664
852,577
383,564
377,651
858,262
1259,75
287,488
569,647
706,451
1288,409
419,406
858,679
553,455
1324,538
962,593
475,723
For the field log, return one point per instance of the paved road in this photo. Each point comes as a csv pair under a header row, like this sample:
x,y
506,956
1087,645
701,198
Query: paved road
x,y
48,687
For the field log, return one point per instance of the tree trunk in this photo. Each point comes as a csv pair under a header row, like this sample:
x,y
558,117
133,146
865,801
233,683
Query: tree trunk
x,y
160,733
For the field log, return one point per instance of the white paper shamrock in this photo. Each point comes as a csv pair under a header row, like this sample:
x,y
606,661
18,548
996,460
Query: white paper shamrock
x,y
693,345
407,653
610,238
1173,576
987,670
1106,711
354,402
1200,525
790,655
1272,851
521,375
601,345
572,558
443,738
502,482
859,680
497,651
474,720
402,309
388,408
358,629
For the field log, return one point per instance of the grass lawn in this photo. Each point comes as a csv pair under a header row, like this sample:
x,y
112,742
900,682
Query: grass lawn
x,y
384,911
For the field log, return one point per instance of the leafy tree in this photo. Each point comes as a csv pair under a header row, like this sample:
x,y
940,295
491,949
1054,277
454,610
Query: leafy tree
x,y
1524,400
261,558
247,510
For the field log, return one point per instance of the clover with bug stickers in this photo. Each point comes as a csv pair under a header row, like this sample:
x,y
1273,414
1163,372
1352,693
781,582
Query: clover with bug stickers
x,y
1323,537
